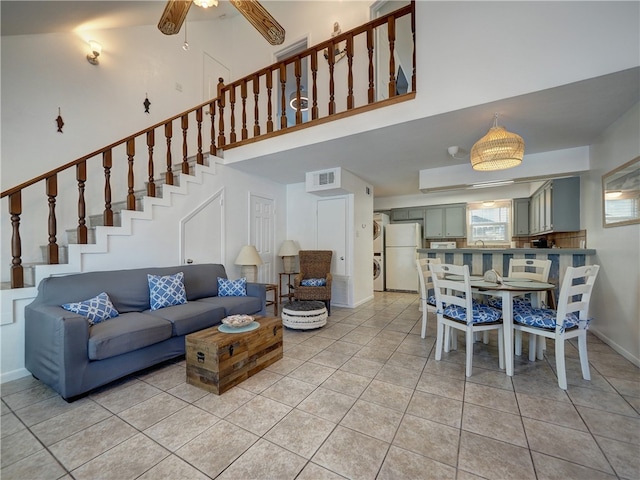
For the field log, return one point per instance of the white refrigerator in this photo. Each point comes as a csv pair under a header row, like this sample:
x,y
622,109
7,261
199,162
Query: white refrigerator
x,y
402,240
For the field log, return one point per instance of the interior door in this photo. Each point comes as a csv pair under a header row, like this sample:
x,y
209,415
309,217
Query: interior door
x,y
213,70
202,232
332,231
262,235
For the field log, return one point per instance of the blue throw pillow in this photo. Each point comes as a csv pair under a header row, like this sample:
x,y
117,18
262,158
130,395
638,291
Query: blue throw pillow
x,y
96,309
313,282
232,288
166,291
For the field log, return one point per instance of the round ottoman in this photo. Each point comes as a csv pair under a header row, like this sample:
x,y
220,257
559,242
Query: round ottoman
x,y
304,315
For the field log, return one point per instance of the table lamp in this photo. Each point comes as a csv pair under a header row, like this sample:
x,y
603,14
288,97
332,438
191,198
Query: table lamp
x,y
288,252
249,259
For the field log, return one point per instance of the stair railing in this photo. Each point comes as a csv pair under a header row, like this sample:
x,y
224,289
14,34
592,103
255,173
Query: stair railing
x,y
276,90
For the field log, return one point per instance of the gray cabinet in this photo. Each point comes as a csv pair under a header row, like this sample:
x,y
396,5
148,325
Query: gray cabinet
x,y
445,221
520,217
555,207
407,214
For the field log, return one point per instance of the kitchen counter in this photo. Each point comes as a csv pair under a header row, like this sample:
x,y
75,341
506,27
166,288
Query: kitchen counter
x,y
514,251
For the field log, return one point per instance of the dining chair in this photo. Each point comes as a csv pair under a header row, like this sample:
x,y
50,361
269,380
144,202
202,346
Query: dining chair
x,y
455,309
569,320
427,300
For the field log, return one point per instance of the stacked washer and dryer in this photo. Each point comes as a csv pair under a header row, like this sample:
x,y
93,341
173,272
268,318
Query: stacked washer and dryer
x,y
380,221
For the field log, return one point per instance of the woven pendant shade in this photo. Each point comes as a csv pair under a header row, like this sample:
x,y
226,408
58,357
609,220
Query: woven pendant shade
x,y
497,150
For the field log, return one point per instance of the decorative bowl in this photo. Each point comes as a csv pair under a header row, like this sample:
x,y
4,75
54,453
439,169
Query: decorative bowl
x,y
237,321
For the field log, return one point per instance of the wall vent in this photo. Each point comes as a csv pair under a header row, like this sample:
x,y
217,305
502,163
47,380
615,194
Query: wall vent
x,y
325,182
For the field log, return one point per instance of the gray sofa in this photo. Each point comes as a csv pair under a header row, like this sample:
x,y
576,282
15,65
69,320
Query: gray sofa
x,y
72,357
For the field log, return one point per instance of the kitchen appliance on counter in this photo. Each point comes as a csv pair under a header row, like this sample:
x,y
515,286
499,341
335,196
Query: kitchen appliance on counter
x,y
539,243
402,241
442,245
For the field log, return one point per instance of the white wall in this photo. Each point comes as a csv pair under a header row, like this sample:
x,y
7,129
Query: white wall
x,y
616,303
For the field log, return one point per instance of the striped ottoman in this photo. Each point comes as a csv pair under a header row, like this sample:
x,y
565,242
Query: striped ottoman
x,y
304,315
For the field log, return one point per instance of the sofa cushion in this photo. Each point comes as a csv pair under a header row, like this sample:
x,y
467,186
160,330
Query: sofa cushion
x,y
96,309
190,317
232,288
167,290
125,333
236,305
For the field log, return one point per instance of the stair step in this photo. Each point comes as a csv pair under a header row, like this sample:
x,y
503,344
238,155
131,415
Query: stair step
x,y
28,275
98,219
72,235
63,253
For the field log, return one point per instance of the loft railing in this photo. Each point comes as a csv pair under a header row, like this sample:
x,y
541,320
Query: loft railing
x,y
373,75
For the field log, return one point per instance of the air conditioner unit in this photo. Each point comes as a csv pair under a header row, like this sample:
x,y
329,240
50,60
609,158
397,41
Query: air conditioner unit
x,y
326,182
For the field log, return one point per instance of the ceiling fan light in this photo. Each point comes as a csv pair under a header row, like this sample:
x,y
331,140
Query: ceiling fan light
x,y
206,3
304,100
497,150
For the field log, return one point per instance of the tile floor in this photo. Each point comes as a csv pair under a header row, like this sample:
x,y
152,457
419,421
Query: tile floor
x,y
362,397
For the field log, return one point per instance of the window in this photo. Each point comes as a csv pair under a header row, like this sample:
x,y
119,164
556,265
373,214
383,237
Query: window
x,y
489,222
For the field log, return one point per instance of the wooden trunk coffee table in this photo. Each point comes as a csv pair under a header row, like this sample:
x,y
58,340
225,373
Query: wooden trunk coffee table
x,y
217,361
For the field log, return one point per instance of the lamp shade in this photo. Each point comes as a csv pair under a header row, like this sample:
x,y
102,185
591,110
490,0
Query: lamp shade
x,y
248,256
288,249
497,150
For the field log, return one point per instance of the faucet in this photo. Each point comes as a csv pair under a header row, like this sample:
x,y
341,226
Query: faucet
x,y
481,242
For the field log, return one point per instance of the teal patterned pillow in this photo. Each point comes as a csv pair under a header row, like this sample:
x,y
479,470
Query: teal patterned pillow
x,y
232,288
96,309
314,282
166,291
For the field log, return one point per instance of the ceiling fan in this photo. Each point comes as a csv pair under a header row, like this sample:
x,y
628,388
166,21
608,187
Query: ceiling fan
x,y
176,11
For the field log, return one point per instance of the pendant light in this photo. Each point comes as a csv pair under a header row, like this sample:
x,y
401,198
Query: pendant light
x,y
497,150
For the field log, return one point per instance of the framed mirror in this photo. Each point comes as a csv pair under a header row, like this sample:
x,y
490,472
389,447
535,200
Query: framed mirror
x,y
621,195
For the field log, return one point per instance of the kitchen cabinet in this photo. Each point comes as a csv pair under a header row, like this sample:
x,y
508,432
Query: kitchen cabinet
x,y
555,207
445,221
521,217
407,214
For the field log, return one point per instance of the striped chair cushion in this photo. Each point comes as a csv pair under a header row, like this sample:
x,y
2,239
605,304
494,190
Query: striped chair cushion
x,y
542,318
481,313
518,302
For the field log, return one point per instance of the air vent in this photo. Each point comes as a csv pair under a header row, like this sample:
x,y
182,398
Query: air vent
x,y
324,178
325,182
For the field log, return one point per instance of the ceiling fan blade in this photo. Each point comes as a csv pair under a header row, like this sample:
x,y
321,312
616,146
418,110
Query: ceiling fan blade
x,y
173,16
261,20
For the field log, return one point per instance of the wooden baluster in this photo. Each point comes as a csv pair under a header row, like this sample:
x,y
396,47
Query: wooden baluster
x,y
52,192
314,85
151,184
131,198
168,133
199,157
283,100
244,133
185,160
81,177
221,105
392,62
256,111
269,79
332,60
350,100
371,92
107,214
298,73
15,210
212,114
413,39
232,120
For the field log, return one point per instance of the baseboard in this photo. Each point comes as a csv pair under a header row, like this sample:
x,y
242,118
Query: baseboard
x,y
626,354
14,375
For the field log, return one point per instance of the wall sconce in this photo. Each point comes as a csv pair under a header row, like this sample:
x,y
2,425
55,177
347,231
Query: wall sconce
x,y
96,50
288,252
249,259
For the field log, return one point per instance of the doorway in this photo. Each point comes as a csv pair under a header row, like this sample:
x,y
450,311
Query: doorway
x,y
262,234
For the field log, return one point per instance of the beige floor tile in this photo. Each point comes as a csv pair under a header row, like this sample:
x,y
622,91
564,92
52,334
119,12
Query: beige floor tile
x,y
493,459
166,378
552,468
445,369
24,383
4,408
623,456
330,405
48,408
27,396
610,402
558,413
259,414
431,439
300,432
174,468
223,405
362,366
68,423
17,446
418,349
561,441
388,395
150,412
216,448
351,454
491,378
611,425
400,376
462,475
181,427
400,463
87,444
318,342
496,424
634,402
375,353
10,424
264,460
540,387
313,471
260,381
187,392
284,366
127,460
443,386
38,466
336,331
125,396
626,387
302,352
491,397
289,391
373,420
436,408
347,383
405,360
346,348
312,373
330,359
